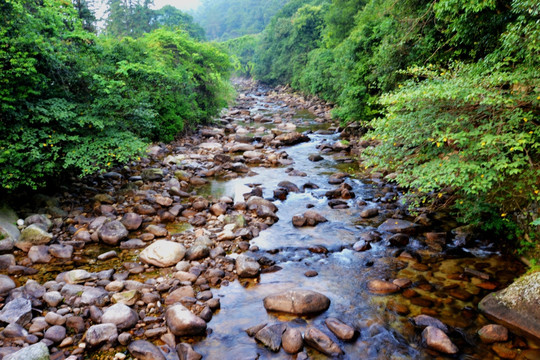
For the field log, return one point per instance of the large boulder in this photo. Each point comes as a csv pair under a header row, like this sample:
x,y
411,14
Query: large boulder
x,y
182,322
112,232
516,307
35,234
163,253
297,301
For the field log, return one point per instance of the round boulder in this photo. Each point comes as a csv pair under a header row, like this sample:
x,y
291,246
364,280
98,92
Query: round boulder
x,y
297,301
163,253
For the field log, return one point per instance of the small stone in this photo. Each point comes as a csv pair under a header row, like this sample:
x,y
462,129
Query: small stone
x,y
506,353
247,266
61,251
369,212
186,352
340,329
436,339
112,232
131,221
107,255
120,315
55,333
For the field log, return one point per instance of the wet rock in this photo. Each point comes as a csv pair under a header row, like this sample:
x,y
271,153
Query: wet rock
x,y
291,138
426,320
309,218
292,341
340,329
112,232
152,174
255,329
39,254
247,266
289,186
163,253
182,322
186,352
403,283
18,311
311,273
35,234
131,221
102,333
399,240
398,226
369,212
361,245
436,339
107,255
6,284
55,333
199,250
315,157
270,336
505,352
120,315
321,342
297,301
381,287
493,333
436,240
460,294
144,350
38,351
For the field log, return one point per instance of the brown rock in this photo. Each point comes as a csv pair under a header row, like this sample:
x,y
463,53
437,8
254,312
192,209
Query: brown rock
x,y
292,341
381,287
340,329
493,333
299,302
321,342
436,339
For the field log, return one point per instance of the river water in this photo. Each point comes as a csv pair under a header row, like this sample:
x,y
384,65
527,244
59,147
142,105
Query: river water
x,y
343,272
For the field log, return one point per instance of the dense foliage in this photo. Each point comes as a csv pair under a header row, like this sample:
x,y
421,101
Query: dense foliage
x,y
227,19
134,18
73,102
448,90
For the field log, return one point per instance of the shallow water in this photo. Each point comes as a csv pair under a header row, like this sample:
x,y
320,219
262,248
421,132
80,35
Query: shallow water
x,y
342,272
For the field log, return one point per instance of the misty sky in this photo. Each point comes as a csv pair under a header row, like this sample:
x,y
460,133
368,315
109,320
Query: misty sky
x,y
181,4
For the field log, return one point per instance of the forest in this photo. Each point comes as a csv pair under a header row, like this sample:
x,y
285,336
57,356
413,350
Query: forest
x,y
448,91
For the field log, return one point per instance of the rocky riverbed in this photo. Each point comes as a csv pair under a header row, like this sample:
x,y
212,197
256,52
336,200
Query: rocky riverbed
x,y
255,238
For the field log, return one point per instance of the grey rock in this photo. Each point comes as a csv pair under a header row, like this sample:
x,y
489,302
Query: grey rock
x,y
152,174
94,296
55,333
61,251
120,315
132,221
102,333
6,261
186,352
112,232
182,322
18,310
6,285
270,336
39,254
34,234
247,266
38,351
163,253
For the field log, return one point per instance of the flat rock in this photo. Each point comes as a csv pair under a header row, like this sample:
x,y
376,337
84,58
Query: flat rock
x,y
270,336
163,253
321,342
182,322
398,226
436,339
297,301
144,350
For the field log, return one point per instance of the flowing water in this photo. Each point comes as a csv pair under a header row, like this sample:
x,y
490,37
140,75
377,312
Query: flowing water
x,y
342,272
